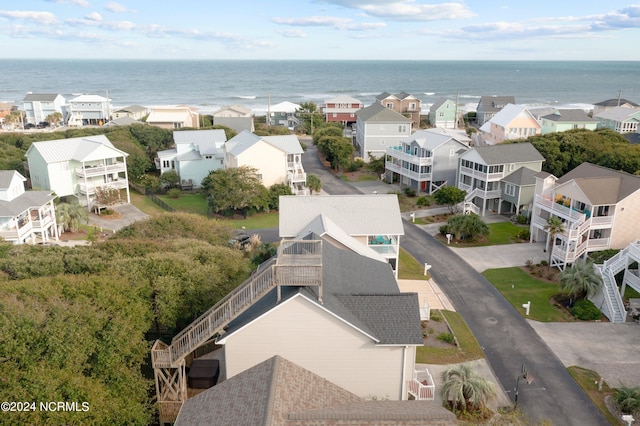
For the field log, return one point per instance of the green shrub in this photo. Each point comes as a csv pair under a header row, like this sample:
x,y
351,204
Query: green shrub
x,y
584,310
423,201
409,192
522,219
436,317
444,230
523,234
174,193
627,399
447,337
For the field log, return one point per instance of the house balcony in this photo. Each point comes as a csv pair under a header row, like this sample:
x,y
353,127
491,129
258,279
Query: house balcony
x,y
570,252
546,203
23,231
43,224
397,152
91,171
487,177
481,193
91,189
296,176
397,168
386,245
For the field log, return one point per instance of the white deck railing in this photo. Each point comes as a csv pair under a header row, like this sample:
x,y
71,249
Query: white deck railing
x,y
419,390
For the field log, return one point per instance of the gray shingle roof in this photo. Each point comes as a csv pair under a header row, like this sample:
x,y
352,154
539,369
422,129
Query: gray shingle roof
x,y
132,108
571,115
494,103
380,113
508,153
602,185
615,102
620,114
351,284
364,214
432,138
524,176
41,97
6,176
24,202
263,395
437,104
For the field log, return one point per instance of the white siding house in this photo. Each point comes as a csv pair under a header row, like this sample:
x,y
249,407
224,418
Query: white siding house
x,y
78,167
25,215
196,154
88,110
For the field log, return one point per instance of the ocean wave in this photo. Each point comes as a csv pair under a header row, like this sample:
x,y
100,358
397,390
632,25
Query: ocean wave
x,y
245,96
429,93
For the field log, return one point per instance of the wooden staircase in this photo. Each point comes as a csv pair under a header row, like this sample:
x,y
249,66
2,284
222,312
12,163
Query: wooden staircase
x,y
298,263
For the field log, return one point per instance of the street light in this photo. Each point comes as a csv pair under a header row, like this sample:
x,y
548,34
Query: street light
x,y
523,375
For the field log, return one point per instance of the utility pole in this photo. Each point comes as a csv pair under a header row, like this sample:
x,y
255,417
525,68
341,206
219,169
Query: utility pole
x,y
619,96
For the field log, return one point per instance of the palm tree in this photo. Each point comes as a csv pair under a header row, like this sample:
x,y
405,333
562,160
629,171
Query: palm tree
x,y
553,227
314,183
69,216
463,389
581,280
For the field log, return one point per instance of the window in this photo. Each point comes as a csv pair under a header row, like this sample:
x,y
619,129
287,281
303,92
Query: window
x,y
402,129
389,105
510,189
177,125
441,114
452,152
412,106
208,157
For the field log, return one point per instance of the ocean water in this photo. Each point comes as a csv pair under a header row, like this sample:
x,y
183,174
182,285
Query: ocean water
x,y
212,84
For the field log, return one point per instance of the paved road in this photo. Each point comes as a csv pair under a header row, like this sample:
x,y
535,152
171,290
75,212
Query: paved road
x,y
330,183
506,337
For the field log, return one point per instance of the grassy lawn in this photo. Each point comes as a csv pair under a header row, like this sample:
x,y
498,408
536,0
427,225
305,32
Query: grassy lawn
x,y
257,221
359,177
518,287
145,204
468,350
588,381
410,269
188,203
502,233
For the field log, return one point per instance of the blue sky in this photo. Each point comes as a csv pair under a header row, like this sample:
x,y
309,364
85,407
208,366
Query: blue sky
x,y
321,29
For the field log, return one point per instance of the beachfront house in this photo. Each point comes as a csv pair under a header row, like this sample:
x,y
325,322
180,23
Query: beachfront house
x,y
78,167
235,117
488,106
341,109
425,161
319,304
402,103
562,120
136,112
277,159
485,173
174,117
443,113
283,114
510,123
598,206
621,119
38,106
88,110
372,221
280,392
25,216
196,154
613,103
377,128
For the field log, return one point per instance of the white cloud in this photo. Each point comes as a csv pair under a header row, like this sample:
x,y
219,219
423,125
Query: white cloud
x,y
407,10
116,7
45,18
82,3
329,21
94,16
295,33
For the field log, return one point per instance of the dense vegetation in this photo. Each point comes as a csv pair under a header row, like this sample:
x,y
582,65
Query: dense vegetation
x,y
75,321
565,151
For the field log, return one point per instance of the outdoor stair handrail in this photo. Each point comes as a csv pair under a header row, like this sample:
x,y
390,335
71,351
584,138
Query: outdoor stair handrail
x,y
219,315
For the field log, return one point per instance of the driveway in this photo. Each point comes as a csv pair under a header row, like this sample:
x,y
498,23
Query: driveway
x,y
505,336
127,214
331,184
